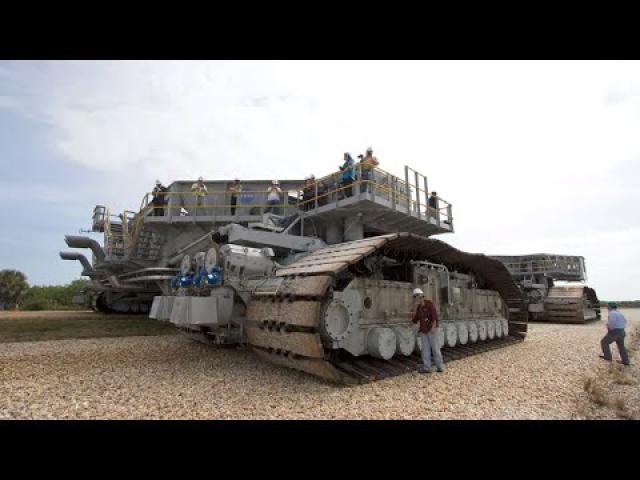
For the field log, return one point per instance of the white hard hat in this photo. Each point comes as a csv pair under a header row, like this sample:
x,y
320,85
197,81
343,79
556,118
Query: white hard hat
x,y
200,179
417,291
275,182
158,182
369,150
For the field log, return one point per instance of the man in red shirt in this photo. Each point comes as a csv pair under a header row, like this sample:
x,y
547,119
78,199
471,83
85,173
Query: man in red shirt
x,y
427,316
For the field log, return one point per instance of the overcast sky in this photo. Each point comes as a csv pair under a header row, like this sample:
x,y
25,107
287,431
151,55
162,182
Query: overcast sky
x,y
534,156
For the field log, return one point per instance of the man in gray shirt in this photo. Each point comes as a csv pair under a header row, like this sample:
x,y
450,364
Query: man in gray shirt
x,y
615,325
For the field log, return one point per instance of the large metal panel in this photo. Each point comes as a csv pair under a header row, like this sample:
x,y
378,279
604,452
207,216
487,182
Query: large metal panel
x,y
161,307
203,311
303,313
306,344
180,311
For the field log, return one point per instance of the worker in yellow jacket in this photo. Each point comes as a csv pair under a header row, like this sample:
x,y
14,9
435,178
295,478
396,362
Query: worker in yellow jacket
x,y
367,165
199,189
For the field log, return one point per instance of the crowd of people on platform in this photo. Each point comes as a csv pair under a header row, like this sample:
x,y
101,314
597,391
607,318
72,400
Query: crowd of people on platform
x,y
315,193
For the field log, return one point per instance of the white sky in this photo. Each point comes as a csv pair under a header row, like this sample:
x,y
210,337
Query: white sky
x,y
535,156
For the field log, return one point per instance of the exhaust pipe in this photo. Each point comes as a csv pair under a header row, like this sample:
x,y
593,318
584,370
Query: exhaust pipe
x,y
88,270
75,241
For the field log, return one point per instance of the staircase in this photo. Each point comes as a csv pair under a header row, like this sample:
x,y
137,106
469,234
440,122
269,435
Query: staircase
x,y
114,240
130,241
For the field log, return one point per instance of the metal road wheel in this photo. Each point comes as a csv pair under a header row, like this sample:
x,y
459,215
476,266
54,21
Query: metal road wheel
x,y
505,327
498,327
405,340
491,330
451,334
463,332
381,343
473,331
482,330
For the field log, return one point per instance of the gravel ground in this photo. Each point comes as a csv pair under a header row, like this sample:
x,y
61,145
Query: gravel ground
x,y
173,377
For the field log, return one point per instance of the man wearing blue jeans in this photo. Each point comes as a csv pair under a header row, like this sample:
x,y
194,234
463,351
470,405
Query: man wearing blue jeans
x,y
427,316
615,326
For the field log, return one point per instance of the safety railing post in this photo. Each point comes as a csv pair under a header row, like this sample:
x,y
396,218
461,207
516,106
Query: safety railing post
x,y
394,191
417,193
285,201
426,196
408,192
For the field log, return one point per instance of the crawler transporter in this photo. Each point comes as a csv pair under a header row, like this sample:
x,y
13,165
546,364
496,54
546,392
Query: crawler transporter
x,y
320,282
570,302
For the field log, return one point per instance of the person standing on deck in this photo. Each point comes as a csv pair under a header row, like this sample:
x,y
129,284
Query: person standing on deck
x,y
309,193
236,190
348,176
273,197
159,199
367,168
427,318
199,189
433,205
615,333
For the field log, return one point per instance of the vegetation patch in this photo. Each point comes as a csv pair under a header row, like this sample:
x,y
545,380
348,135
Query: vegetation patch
x,y
41,326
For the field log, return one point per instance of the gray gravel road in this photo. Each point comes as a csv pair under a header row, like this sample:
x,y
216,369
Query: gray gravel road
x,y
173,377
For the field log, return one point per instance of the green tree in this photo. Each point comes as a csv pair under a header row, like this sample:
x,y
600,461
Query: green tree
x,y
53,297
13,285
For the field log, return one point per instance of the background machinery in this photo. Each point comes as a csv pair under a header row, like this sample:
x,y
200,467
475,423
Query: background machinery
x,y
321,282
570,302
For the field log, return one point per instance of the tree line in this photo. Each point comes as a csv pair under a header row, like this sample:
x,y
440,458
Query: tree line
x,y
623,303
15,292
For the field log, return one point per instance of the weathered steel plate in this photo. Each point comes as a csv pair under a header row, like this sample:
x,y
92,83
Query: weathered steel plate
x,y
307,344
319,368
302,313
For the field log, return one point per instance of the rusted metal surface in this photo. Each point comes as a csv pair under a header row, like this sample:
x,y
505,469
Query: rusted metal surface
x,y
303,350
322,255
569,303
337,257
306,344
314,286
319,368
301,313
332,268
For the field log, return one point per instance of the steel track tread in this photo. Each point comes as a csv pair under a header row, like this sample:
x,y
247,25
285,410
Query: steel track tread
x,y
580,298
367,369
279,347
361,370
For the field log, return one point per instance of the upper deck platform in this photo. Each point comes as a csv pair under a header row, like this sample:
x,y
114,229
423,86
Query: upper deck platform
x,y
384,202
558,267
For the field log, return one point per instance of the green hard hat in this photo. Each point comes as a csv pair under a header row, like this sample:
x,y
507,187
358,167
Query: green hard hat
x,y
613,305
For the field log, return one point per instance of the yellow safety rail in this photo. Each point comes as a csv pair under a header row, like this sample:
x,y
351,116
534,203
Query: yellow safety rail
x,y
379,182
400,195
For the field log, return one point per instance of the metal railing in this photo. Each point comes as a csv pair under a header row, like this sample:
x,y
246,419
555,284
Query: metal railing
x,y
401,194
118,243
325,190
567,266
